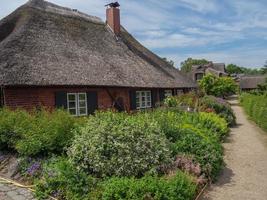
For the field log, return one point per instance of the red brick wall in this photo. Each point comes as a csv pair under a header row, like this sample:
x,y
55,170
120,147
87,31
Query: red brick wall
x,y
113,19
34,97
29,98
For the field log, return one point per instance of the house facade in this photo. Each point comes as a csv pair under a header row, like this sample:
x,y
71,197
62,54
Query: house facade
x,y
55,57
199,71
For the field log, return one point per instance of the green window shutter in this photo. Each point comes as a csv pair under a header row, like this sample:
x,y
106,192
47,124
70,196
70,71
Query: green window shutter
x,y
92,102
61,100
154,97
132,95
174,92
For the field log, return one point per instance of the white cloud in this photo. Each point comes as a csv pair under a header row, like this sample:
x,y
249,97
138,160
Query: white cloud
x,y
239,56
201,5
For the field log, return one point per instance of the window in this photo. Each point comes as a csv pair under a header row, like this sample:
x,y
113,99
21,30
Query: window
x,y
143,99
199,76
77,104
168,93
180,92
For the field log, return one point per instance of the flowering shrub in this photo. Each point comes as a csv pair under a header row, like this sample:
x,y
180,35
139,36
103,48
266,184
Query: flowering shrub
x,y
196,134
30,167
61,180
119,144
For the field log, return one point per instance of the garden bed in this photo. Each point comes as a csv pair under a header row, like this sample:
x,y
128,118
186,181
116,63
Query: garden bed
x,y
161,154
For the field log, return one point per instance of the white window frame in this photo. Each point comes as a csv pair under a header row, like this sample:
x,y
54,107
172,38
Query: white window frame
x,y
147,103
77,103
167,93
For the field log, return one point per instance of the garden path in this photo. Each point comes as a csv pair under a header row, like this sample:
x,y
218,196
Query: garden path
x,y
11,192
245,174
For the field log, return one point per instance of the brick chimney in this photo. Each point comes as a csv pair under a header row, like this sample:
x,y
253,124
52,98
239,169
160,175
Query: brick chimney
x,y
113,17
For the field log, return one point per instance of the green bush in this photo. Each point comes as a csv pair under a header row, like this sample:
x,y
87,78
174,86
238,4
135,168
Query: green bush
x,y
37,132
214,123
119,144
61,180
188,99
207,151
180,186
219,106
12,124
196,134
218,86
256,107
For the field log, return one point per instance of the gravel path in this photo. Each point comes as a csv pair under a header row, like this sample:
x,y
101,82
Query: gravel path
x,y
245,173
11,192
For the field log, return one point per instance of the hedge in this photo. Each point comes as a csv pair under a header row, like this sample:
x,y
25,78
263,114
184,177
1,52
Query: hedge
x,y
256,107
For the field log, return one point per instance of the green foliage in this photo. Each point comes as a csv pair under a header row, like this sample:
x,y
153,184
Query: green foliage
x,y
218,86
197,134
119,144
206,150
35,133
61,179
256,107
219,106
186,66
234,69
12,123
214,123
180,186
171,102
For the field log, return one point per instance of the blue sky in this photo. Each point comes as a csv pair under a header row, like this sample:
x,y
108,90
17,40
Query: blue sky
x,y
230,31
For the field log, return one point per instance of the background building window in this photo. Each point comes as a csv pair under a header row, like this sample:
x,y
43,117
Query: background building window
x,y
168,93
199,76
77,104
143,99
180,92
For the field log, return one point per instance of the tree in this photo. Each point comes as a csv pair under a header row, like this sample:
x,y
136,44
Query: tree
x,y
186,66
264,69
218,86
171,62
234,69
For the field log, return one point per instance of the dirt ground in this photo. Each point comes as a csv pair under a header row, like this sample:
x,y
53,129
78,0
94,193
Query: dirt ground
x,y
245,174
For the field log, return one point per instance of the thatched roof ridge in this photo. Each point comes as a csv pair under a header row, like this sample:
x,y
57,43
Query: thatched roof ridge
x,y
42,44
53,8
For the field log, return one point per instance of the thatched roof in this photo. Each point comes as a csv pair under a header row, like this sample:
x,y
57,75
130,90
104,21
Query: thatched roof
x,y
252,82
42,44
219,67
216,72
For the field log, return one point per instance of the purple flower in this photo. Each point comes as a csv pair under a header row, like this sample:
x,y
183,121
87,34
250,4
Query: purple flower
x,y
34,168
2,158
